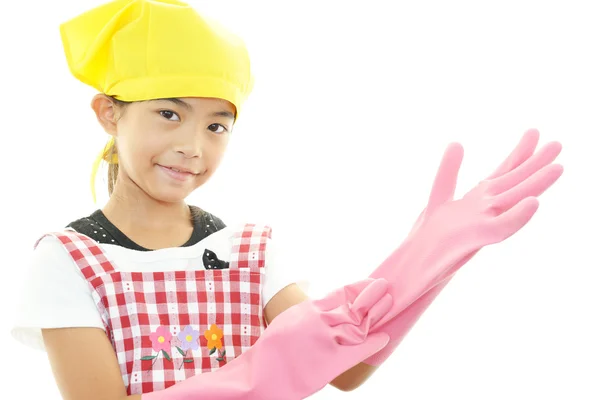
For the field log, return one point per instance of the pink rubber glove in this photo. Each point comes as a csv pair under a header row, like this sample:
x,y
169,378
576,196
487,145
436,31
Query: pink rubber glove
x,y
450,232
300,352
404,322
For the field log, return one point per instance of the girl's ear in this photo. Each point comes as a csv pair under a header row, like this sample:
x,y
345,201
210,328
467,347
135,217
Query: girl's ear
x,y
105,111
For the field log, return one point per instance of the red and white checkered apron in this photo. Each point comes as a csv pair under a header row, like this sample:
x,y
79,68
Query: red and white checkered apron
x,y
168,326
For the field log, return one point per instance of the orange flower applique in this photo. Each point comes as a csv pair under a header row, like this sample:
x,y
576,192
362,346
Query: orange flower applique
x,y
214,335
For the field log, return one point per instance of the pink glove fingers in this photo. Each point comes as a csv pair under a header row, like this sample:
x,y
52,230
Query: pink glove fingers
x,y
445,180
353,329
545,156
533,186
509,223
354,317
404,322
348,293
522,152
377,312
369,297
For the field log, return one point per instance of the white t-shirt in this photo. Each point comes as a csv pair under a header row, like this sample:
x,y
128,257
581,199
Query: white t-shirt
x,y
56,294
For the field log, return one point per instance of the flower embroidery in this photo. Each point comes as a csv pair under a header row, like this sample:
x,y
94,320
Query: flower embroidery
x,y
189,338
214,335
189,341
161,343
161,339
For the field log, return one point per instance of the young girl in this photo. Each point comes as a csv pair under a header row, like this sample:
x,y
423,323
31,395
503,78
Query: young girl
x,y
156,298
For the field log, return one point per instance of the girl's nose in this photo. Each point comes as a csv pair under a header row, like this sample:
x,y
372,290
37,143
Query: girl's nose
x,y
190,145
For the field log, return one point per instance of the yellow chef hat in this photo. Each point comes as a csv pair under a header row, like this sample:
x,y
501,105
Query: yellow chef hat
x,y
138,50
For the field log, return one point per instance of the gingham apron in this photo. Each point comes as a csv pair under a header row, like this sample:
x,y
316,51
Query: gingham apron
x,y
168,326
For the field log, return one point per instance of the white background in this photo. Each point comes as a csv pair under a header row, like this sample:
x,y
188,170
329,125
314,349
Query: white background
x,y
337,147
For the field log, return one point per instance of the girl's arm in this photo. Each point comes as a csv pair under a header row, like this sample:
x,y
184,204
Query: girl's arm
x,y
84,364
292,295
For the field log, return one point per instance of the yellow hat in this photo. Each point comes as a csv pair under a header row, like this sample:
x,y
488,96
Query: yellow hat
x,y
149,49
138,50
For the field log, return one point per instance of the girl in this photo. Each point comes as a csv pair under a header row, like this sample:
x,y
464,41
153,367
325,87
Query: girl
x,y
145,297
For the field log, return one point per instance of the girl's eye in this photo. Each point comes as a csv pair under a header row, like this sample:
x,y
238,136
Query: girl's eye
x,y
212,127
169,115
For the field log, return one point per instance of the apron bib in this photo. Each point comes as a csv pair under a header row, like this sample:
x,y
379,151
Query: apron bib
x,y
168,326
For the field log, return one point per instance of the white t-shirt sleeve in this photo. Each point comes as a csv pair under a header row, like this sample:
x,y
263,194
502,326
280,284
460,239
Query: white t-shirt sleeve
x,y
55,294
282,269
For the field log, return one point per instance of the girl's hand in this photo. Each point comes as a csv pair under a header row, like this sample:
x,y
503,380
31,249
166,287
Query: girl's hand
x,y
301,351
497,207
522,152
449,232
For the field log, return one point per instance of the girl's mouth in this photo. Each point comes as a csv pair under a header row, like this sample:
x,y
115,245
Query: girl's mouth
x,y
177,174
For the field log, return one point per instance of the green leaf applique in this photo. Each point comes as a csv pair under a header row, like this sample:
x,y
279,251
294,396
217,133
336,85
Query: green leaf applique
x,y
166,355
221,356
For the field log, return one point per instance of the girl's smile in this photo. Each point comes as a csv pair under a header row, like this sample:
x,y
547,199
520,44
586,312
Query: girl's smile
x,y
178,173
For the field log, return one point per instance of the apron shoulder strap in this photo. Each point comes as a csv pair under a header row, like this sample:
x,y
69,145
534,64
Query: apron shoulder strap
x,y
85,252
249,244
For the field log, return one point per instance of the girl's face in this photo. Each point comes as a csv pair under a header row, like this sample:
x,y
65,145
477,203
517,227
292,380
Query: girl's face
x,y
168,148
